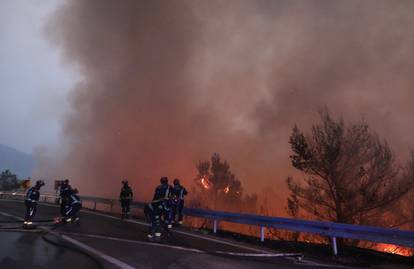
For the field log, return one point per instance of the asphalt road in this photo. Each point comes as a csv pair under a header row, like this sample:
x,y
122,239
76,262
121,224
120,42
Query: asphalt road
x,y
123,244
28,249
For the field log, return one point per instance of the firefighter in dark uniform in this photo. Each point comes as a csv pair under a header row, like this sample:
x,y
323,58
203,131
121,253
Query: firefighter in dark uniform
x,y
72,206
32,197
178,192
153,213
125,197
163,191
64,191
157,211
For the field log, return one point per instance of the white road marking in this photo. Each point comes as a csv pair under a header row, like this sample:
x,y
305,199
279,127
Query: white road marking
x,y
137,242
85,247
241,254
305,262
179,232
187,233
210,239
96,252
186,249
10,216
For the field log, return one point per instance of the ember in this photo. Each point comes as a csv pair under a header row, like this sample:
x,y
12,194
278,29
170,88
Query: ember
x,y
394,249
206,183
226,189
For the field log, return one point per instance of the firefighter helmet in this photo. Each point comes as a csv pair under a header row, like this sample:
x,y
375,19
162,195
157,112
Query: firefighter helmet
x,y
176,181
40,183
164,180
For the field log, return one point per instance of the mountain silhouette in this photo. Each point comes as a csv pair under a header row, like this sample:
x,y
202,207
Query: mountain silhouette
x,y
17,162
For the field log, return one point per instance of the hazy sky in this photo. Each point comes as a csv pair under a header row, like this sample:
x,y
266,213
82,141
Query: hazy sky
x,y
33,84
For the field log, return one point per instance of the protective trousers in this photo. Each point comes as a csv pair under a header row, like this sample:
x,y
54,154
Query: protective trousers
x,y
125,204
30,210
153,212
72,210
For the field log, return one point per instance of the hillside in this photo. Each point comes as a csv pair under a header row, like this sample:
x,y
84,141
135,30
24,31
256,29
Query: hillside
x,y
17,162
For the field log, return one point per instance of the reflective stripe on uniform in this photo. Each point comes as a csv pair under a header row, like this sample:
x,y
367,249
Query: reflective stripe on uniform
x,y
29,193
75,200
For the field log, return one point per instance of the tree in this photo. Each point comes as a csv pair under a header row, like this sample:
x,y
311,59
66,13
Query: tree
x,y
8,181
218,182
219,189
350,175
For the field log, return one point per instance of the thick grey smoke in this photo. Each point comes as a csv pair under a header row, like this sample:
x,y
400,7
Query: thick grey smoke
x,y
167,83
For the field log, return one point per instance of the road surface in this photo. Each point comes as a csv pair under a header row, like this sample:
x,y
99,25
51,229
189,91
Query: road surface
x,y
121,244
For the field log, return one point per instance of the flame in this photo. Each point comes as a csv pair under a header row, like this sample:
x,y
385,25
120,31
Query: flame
x,y
226,189
205,183
394,249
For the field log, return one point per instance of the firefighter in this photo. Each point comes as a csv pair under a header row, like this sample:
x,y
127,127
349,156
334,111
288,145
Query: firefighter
x,y
64,191
72,206
163,191
153,213
178,192
32,197
157,211
65,188
125,198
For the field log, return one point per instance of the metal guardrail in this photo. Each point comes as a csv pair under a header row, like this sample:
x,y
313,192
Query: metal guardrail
x,y
329,229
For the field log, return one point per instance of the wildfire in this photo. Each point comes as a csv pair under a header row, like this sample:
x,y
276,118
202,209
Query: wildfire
x,y
226,189
393,249
206,183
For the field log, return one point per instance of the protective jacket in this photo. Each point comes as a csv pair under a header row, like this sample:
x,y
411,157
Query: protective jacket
x,y
162,192
73,199
179,191
126,193
65,190
32,195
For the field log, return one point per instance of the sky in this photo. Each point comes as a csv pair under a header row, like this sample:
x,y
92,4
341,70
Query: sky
x,y
33,82
143,89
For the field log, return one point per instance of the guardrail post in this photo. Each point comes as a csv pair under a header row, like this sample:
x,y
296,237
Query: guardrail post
x,y
334,246
262,236
94,205
215,226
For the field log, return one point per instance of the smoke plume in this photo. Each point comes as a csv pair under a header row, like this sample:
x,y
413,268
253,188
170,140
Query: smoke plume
x,y
167,83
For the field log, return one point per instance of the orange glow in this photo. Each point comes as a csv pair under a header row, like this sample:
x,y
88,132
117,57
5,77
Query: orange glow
x,y
226,189
394,249
206,183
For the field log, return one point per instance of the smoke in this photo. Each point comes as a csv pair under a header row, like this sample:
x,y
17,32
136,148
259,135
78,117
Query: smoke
x,y
167,83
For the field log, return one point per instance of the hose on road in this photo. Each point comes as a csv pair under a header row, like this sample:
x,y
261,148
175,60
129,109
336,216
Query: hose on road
x,y
48,240
72,248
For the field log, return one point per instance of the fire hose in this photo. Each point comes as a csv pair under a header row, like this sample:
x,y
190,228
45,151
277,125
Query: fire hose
x,y
45,233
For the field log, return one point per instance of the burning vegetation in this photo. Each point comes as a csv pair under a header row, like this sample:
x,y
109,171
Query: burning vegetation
x,y
163,82
349,176
393,249
219,188
205,183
